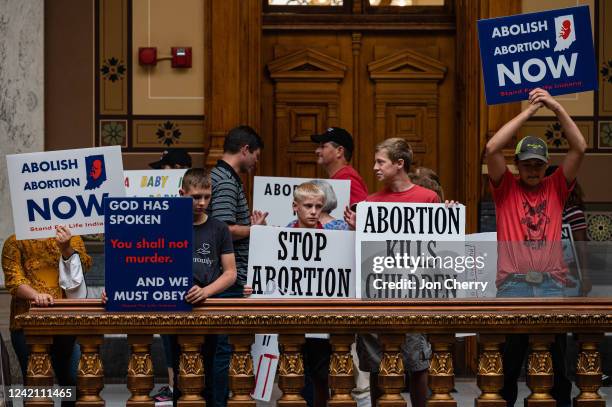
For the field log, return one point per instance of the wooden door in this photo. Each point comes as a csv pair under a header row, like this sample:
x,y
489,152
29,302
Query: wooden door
x,y
375,83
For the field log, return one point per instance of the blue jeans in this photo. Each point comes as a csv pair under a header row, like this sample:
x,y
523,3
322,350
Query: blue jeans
x,y
65,355
516,346
518,287
217,354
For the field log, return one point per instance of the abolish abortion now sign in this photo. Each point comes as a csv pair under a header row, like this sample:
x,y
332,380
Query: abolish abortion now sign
x,y
551,50
63,188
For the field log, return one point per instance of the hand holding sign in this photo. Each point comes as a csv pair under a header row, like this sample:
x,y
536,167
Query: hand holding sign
x,y
259,218
542,98
350,218
62,237
196,294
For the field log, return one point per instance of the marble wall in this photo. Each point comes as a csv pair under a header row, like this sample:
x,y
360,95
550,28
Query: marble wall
x,y
21,91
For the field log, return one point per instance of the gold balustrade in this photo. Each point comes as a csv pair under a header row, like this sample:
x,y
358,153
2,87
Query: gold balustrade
x,y
588,318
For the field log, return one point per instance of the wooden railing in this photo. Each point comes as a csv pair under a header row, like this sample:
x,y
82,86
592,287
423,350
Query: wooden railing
x,y
241,319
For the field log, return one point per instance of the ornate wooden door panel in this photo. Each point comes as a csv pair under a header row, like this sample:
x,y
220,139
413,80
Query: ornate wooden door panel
x,y
406,101
375,85
306,99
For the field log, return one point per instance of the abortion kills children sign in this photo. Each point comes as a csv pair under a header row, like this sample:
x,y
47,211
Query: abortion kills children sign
x,y
63,188
412,251
275,195
551,50
301,263
153,183
148,252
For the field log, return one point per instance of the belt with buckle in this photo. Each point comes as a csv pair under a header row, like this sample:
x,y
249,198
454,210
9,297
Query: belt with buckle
x,y
532,277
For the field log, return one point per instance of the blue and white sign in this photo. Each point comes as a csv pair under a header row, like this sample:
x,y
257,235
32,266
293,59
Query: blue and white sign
x,y
552,50
148,253
64,187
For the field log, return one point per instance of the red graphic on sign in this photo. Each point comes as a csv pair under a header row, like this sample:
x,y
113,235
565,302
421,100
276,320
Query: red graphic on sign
x,y
566,30
270,358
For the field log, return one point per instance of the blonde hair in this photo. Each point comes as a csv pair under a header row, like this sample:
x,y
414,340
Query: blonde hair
x,y
397,149
307,190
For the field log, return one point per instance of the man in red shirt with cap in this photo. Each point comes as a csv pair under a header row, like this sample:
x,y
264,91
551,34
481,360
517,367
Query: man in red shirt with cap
x,y
334,153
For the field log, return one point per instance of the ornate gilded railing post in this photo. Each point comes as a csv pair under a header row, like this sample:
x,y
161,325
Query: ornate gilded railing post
x,y
490,378
588,371
140,371
391,374
90,374
540,371
341,379
291,370
40,371
191,370
241,377
441,371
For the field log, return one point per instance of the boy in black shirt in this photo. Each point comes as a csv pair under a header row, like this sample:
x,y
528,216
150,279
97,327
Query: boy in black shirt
x,y
214,270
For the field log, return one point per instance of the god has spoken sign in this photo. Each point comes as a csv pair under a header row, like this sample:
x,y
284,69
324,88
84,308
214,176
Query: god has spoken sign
x,y
148,252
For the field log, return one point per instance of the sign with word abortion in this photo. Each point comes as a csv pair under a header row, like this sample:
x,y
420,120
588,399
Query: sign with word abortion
x,y
148,253
412,250
275,196
551,50
301,263
265,361
153,183
65,187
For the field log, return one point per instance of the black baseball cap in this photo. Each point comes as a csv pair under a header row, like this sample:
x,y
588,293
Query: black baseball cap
x,y
531,147
172,157
337,135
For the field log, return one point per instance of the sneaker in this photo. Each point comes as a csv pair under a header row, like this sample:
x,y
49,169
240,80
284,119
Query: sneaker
x,y
164,394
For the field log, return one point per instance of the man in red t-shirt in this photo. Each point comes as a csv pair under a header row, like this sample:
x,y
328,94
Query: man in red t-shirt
x,y
334,153
529,214
391,166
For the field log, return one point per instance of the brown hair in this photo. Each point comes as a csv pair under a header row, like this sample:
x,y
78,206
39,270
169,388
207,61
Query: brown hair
x,y
397,149
196,177
428,173
428,183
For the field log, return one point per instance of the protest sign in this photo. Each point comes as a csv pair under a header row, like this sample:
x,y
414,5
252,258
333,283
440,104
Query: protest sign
x,y
483,246
265,361
301,263
412,250
275,196
570,257
153,183
63,188
148,253
550,49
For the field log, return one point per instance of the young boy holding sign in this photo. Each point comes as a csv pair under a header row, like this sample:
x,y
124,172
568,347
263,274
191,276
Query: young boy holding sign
x,y
392,162
214,270
528,211
308,201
